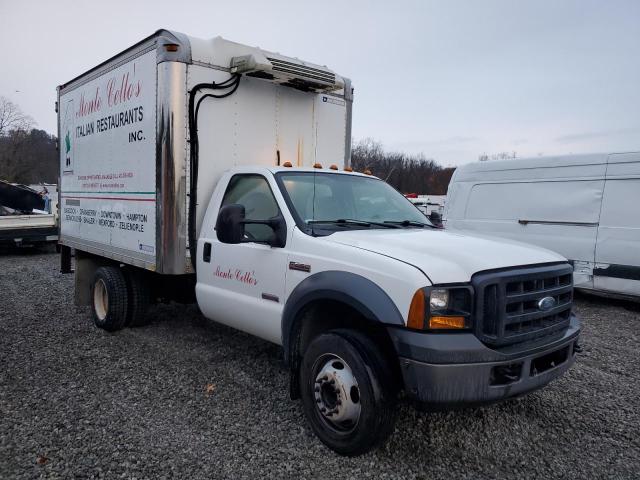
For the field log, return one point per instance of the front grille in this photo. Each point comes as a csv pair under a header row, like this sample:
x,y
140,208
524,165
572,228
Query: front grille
x,y
508,307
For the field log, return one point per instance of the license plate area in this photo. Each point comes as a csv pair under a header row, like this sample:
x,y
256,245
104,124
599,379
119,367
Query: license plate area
x,y
549,361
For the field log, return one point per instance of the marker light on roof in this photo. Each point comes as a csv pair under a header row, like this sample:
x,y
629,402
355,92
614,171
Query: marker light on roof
x,y
334,167
348,169
317,165
367,172
287,164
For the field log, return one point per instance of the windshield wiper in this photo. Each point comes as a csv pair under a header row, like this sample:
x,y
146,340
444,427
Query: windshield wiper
x,y
408,223
349,221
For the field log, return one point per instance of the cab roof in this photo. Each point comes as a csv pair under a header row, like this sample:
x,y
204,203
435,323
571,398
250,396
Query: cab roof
x,y
277,169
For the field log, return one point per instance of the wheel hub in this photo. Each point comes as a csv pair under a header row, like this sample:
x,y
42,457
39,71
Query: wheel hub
x,y
337,394
101,299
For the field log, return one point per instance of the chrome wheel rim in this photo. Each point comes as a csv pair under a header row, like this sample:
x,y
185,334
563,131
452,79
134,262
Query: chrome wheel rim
x,y
336,393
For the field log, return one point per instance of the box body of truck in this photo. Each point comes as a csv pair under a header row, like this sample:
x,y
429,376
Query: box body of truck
x,y
127,179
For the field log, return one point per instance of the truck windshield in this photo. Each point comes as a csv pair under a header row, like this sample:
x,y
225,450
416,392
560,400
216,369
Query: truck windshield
x,y
332,201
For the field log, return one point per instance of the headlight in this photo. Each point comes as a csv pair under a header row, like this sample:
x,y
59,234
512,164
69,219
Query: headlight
x,y
441,308
439,299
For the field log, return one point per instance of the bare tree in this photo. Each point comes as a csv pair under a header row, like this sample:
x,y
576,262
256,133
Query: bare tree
x,y
409,173
12,118
28,157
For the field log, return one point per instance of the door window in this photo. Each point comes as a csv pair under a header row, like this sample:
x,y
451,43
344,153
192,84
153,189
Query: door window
x,y
254,194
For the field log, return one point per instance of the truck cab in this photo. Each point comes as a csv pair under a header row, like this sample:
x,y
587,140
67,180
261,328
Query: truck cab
x,y
367,298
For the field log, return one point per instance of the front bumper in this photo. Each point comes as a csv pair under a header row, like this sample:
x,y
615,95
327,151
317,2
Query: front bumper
x,y
457,369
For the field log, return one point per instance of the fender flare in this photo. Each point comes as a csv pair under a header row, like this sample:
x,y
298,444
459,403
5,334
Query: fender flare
x,y
358,292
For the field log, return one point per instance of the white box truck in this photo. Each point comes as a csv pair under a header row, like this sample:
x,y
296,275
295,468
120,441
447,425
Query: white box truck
x,y
581,206
209,171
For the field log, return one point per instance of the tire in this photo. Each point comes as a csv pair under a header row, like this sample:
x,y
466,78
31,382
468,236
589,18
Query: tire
x,y
139,298
109,299
350,359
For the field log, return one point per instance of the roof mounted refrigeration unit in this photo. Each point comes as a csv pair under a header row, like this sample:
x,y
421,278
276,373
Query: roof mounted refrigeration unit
x,y
287,71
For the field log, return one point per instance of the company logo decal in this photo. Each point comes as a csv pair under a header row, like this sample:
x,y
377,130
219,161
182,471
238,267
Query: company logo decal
x,y
547,303
248,278
67,148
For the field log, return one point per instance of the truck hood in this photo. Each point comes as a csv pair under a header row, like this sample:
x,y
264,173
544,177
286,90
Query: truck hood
x,y
446,257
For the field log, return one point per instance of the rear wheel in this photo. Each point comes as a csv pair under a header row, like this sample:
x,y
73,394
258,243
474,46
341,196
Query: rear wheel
x,y
139,298
347,393
109,298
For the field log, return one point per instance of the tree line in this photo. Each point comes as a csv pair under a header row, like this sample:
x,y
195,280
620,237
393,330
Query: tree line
x,y
408,173
29,155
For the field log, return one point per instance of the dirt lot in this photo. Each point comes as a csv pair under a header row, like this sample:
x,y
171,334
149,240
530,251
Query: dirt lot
x,y
187,398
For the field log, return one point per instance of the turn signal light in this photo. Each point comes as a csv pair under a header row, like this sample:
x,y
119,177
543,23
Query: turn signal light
x,y
416,310
440,322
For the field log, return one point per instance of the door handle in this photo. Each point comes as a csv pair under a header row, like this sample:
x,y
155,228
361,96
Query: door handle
x,y
206,252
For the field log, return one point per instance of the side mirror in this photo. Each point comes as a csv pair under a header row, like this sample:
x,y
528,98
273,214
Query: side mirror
x,y
436,219
230,223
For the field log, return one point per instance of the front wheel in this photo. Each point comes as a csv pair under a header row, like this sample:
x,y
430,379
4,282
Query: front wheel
x,y
347,392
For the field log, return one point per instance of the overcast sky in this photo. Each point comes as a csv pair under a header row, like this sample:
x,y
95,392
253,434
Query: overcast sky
x,y
452,79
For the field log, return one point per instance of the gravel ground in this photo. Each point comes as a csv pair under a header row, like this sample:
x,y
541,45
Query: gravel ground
x,y
184,397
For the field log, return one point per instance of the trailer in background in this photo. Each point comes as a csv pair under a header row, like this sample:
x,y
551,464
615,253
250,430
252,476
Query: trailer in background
x,y
28,214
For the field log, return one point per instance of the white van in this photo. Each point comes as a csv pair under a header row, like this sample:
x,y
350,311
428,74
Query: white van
x,y
584,207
